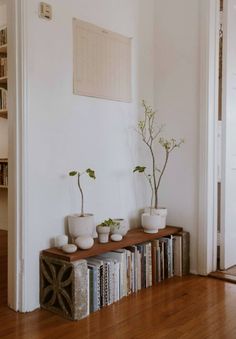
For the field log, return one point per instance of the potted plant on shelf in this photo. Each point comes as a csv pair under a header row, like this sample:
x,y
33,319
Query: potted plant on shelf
x,y
154,217
81,224
104,228
120,227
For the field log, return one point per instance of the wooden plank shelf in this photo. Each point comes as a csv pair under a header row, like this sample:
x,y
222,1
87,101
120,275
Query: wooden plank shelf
x,y
3,187
3,49
3,80
3,113
4,160
133,237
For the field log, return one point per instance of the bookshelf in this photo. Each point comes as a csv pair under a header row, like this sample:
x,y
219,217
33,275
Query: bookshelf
x,y
65,281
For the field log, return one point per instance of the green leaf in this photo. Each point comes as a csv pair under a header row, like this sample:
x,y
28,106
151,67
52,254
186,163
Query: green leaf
x,y
139,169
91,173
73,173
109,222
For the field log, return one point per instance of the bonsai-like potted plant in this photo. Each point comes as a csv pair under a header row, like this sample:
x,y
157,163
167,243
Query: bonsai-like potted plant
x,y
81,224
154,216
104,228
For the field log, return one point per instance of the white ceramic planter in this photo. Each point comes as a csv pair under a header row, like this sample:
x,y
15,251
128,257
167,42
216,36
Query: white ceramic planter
x,y
122,228
161,212
150,222
81,226
103,234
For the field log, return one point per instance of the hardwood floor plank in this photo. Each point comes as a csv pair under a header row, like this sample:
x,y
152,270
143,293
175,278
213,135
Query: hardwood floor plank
x,y
188,307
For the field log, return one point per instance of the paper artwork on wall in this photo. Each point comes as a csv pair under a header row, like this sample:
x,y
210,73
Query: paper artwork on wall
x,y
102,62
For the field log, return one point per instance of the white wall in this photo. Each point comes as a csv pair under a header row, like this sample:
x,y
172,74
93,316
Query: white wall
x,y
3,140
71,132
177,99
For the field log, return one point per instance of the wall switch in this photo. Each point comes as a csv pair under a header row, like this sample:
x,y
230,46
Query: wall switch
x,y
45,11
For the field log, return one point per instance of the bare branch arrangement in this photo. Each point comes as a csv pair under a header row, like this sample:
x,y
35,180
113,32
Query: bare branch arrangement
x,y
150,133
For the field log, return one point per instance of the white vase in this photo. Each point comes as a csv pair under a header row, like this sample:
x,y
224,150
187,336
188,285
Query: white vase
x,y
121,229
103,233
81,225
161,212
150,222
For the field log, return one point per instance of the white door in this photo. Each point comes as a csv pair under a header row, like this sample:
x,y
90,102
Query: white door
x,y
228,198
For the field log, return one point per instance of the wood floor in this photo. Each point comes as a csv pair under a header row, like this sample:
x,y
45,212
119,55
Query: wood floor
x,y
189,307
3,267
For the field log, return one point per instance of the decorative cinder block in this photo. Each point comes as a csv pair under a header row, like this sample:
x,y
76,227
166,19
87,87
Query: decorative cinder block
x,y
63,287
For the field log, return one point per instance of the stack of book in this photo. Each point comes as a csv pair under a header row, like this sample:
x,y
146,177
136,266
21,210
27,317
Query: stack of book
x,y
114,275
3,174
3,36
3,99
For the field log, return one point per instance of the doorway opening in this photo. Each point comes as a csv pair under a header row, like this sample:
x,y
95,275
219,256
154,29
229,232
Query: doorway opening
x,y
226,143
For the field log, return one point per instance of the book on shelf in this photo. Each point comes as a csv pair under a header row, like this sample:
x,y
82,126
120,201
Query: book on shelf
x,y
185,252
94,287
115,274
3,36
3,67
3,99
3,173
178,260
121,255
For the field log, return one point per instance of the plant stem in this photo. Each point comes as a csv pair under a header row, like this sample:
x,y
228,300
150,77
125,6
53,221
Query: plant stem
x,y
82,196
159,180
154,174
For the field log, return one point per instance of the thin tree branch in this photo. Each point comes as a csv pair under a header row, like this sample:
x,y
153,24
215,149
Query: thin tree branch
x,y
82,195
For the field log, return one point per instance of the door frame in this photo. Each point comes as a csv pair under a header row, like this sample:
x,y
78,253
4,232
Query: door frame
x,y
209,61
18,155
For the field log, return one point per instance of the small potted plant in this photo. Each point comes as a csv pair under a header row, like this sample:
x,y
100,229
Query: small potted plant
x,y
121,227
81,224
154,217
104,228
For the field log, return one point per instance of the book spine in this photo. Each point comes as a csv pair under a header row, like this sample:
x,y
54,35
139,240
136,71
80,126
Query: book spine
x,y
185,252
132,273
101,286
128,260
154,263
117,279
98,288
88,293
158,263
149,246
91,290
124,275
105,284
